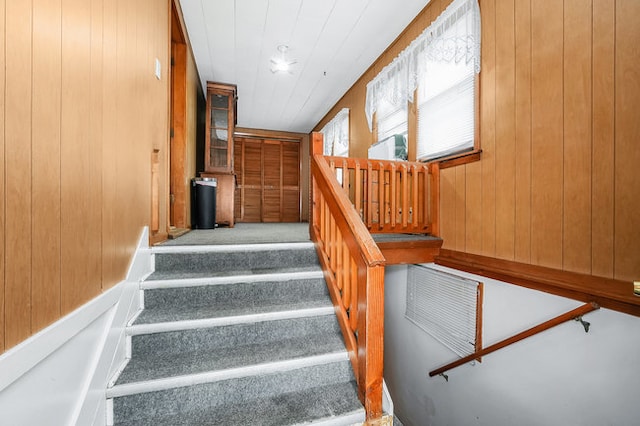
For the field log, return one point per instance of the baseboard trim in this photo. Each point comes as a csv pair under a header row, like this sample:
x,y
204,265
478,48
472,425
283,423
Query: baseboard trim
x,y
29,353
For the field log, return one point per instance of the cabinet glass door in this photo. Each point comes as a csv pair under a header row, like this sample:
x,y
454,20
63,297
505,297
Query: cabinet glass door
x,y
219,132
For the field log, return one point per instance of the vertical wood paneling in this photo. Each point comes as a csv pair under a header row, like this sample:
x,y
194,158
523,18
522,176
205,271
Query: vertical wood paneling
x,y
473,214
95,142
124,217
576,233
448,208
547,134
460,228
81,111
77,274
603,75
522,231
2,183
47,64
18,91
109,148
505,130
627,137
488,126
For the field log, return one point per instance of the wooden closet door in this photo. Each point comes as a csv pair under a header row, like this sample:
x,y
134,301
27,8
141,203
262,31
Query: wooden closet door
x,y
268,174
290,182
272,181
248,160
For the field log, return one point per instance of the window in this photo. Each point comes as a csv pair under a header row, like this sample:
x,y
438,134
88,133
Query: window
x,y
391,120
441,66
447,86
387,97
336,135
392,130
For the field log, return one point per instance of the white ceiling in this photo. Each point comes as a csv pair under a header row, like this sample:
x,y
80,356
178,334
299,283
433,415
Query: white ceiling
x,y
333,42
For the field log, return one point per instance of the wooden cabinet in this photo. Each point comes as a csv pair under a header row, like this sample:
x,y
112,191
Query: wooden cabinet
x,y
218,154
268,180
221,121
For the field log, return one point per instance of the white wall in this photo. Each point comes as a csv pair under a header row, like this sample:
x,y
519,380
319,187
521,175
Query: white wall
x,y
562,376
59,375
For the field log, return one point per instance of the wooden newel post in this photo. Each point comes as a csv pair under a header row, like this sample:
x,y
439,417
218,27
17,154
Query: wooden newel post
x,y
316,148
317,143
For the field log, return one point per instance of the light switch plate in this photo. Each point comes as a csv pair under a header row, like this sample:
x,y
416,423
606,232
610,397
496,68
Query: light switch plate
x,y
158,69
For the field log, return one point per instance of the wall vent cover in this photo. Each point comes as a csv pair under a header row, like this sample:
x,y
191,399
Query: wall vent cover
x,y
446,306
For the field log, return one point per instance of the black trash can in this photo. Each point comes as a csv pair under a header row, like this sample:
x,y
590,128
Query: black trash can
x,y
203,196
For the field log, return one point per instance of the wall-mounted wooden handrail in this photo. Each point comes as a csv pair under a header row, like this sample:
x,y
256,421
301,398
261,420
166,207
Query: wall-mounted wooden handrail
x,y
567,316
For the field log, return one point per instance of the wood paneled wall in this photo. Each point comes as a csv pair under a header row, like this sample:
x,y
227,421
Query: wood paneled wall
x,y
81,114
559,131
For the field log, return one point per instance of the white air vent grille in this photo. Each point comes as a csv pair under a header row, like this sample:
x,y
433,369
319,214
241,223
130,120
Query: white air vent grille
x,y
446,306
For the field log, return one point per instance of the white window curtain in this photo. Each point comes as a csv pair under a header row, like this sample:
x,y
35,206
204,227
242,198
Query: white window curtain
x,y
388,90
336,135
454,37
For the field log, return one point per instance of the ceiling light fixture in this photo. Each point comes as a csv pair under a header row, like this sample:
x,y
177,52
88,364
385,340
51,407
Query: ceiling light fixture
x,y
281,63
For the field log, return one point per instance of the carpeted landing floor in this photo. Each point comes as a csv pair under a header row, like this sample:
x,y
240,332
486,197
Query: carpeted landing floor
x,y
245,233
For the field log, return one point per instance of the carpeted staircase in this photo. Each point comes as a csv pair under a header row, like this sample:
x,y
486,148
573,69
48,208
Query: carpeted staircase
x,y
235,335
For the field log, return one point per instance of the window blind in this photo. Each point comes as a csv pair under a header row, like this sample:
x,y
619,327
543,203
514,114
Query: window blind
x,y
446,110
392,120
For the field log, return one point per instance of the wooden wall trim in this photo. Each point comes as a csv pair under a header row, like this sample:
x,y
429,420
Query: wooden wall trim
x,y
606,292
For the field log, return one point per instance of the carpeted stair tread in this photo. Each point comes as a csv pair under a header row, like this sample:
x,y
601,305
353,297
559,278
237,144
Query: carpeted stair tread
x,y
232,260
311,405
163,365
223,294
205,339
220,393
199,274
173,314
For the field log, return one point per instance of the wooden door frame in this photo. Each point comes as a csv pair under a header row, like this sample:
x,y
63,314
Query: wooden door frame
x,y
177,217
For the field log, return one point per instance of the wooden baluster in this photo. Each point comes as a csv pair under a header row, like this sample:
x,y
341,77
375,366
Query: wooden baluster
x,y
434,202
405,195
414,197
393,177
381,197
426,194
339,265
332,238
346,272
358,196
321,207
345,177
369,190
353,285
325,225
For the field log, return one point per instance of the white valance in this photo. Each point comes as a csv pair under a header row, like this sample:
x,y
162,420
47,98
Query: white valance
x,y
453,37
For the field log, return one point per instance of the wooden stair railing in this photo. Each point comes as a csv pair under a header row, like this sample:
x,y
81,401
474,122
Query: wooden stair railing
x,y
391,196
354,270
